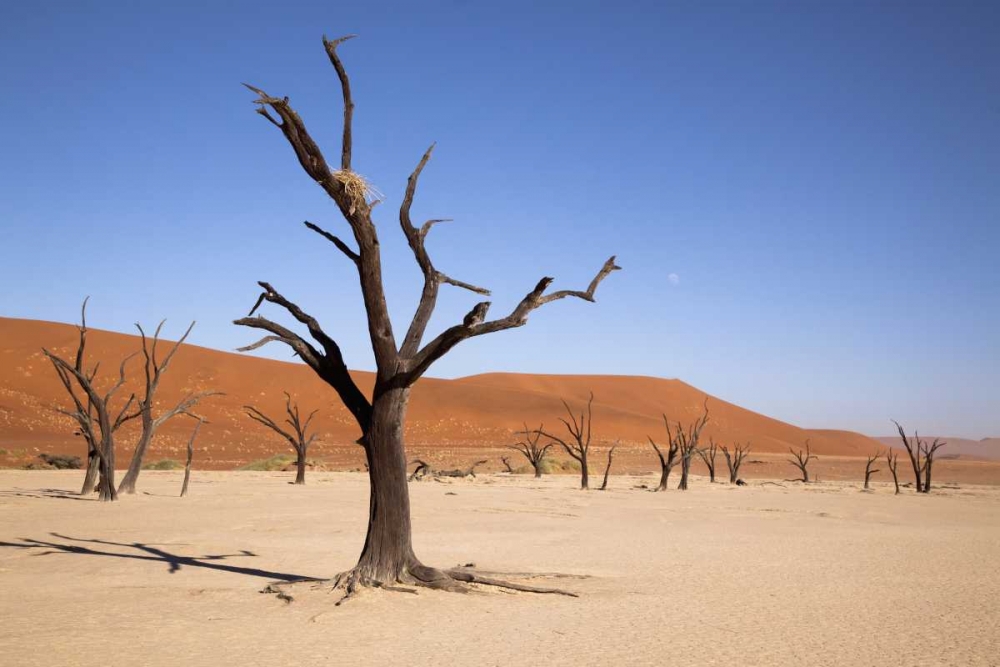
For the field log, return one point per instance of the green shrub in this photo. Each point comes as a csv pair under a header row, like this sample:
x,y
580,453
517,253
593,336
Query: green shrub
x,y
165,464
60,462
276,463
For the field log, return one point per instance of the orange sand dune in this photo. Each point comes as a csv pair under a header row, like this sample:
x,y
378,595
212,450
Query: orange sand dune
x,y
480,411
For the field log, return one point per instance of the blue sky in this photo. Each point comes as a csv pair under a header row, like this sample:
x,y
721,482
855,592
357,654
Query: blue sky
x,y
823,180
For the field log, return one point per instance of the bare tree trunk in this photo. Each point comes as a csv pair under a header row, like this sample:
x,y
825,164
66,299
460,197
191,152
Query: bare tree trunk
x,y
685,468
388,550
300,469
664,476
93,467
584,474
538,469
135,465
607,469
892,460
106,485
190,456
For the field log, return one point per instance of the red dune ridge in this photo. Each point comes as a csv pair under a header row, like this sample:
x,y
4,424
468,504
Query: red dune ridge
x,y
480,411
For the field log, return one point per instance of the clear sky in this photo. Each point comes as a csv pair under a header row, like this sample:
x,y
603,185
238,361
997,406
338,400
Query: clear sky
x,y
805,196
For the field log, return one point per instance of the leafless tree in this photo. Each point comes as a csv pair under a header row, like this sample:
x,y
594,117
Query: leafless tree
x,y
869,471
921,456
190,456
530,448
298,437
387,556
154,370
92,411
506,464
892,460
667,462
801,460
578,444
607,469
687,445
423,469
707,455
735,459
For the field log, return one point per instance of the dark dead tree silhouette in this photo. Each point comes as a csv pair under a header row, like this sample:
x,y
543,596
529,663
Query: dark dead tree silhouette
x,y
667,462
801,461
734,460
708,454
92,412
387,556
190,456
892,461
460,472
921,454
530,448
578,444
687,445
607,468
298,437
505,460
869,471
154,371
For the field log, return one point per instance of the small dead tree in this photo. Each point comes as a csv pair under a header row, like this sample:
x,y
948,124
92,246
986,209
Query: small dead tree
x,y
707,455
422,470
734,460
387,556
96,420
466,472
607,469
506,464
869,471
921,457
190,456
299,437
530,449
801,460
579,444
154,370
687,445
667,462
892,461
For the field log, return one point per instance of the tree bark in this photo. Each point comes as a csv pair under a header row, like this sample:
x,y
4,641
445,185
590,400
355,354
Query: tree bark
x,y
664,476
93,467
584,474
135,465
388,551
300,469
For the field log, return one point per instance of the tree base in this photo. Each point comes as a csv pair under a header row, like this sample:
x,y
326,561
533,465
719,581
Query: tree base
x,y
457,580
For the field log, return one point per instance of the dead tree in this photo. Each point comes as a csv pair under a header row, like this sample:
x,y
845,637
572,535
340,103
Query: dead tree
x,y
299,437
708,456
735,459
687,445
892,461
921,457
530,449
667,462
578,444
387,556
607,469
154,370
801,460
506,464
92,412
190,456
423,468
869,471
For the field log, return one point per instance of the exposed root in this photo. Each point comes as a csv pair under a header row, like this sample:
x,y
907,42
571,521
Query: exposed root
x,y
353,582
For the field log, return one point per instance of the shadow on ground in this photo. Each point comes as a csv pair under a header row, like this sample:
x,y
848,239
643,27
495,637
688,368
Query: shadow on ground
x,y
148,552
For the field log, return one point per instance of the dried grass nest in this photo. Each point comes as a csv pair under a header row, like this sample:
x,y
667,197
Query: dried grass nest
x,y
358,188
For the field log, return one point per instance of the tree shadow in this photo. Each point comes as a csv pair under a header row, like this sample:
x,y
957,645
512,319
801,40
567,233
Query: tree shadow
x,y
149,552
58,494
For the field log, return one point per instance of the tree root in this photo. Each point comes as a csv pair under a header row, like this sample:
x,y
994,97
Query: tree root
x,y
456,580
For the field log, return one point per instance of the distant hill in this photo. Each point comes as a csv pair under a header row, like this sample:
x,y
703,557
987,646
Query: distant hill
x,y
987,449
476,411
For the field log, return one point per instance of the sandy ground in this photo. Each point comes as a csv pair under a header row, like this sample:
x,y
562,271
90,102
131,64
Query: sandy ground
x,y
719,575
